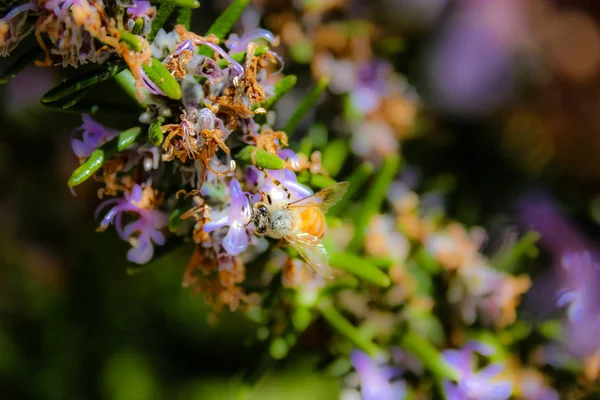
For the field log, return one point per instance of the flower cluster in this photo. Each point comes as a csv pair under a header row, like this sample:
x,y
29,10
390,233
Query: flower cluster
x,y
414,298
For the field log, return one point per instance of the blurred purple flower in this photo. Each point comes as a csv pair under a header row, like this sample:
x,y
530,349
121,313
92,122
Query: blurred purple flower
x,y
580,294
144,231
533,387
470,68
577,275
23,92
94,135
370,85
236,216
376,379
474,385
558,234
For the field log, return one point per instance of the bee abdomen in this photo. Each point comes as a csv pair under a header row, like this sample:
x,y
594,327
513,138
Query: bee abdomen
x,y
312,221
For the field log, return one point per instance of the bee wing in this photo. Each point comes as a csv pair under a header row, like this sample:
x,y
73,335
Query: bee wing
x,y
323,199
313,252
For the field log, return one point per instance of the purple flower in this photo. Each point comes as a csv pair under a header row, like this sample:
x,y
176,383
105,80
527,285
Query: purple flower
x,y
94,135
581,277
576,273
141,8
200,65
266,182
471,66
236,216
533,387
144,231
474,385
376,379
291,156
73,43
370,86
236,44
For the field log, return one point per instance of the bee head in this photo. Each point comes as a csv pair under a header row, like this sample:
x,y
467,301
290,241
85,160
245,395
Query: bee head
x,y
260,217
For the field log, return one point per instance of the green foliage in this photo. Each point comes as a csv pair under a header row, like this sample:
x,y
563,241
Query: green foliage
x,y
155,133
428,355
162,16
222,26
346,329
95,161
72,86
281,88
188,4
184,17
375,196
161,76
360,267
307,103
263,158
357,179
20,64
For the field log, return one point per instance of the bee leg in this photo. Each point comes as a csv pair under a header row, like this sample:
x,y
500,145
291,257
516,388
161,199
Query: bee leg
x,y
286,190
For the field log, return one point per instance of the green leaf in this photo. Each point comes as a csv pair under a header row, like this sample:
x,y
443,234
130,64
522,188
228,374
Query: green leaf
x,y
221,27
357,180
508,260
551,329
95,161
126,138
335,155
80,82
70,101
380,261
133,41
79,107
345,328
318,135
360,267
155,133
263,159
138,26
181,3
127,83
160,75
184,17
88,168
429,356
305,105
280,89
162,15
314,180
375,197
427,262
19,65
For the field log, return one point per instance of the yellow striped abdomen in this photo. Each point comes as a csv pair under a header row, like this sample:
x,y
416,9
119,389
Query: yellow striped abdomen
x,y
311,220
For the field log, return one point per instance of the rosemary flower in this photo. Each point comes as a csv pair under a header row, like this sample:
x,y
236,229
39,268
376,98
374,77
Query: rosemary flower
x,y
236,216
142,233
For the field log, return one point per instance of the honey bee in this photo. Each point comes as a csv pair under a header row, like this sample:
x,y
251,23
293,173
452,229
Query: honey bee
x,y
301,223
